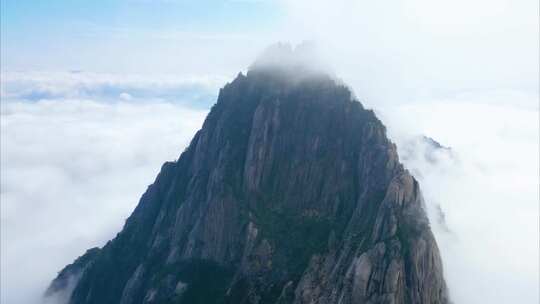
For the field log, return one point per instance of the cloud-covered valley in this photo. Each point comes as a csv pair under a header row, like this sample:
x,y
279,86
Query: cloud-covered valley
x,y
72,171
75,165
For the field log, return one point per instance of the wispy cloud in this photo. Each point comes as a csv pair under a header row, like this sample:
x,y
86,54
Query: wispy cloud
x,y
195,91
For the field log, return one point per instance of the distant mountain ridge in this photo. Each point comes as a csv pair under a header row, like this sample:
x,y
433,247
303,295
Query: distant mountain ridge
x,y
290,193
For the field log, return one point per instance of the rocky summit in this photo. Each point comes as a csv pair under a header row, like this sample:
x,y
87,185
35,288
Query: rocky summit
x,y
289,193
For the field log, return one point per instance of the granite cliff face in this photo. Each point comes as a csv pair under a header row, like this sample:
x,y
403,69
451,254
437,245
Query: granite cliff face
x,y
290,193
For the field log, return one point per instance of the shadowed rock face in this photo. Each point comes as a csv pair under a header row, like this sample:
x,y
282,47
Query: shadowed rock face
x,y
290,193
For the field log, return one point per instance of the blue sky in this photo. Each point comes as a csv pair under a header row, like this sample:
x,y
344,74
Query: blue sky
x,y
27,17
53,34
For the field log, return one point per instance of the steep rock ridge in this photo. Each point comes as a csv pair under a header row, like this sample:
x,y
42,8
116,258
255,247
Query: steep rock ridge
x,y
290,193
60,289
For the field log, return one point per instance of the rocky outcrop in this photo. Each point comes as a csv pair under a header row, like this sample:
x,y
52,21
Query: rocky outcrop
x,y
290,193
61,288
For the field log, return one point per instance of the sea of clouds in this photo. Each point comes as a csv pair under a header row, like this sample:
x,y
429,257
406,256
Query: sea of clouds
x,y
73,169
75,162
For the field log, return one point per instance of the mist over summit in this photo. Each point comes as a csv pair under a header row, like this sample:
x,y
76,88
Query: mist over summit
x,y
303,58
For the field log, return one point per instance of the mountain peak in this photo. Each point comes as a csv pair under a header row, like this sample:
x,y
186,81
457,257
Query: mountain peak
x,y
290,193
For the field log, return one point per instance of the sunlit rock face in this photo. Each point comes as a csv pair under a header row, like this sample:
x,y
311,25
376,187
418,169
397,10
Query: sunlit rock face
x,y
290,193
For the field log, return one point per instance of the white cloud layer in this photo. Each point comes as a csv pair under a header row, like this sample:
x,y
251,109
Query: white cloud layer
x,y
487,188
72,171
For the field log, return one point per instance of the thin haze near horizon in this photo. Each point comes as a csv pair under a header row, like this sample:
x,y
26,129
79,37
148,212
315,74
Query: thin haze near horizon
x,y
97,95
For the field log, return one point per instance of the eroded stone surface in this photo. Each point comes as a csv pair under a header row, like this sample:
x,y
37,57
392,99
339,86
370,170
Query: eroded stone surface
x,y
290,193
